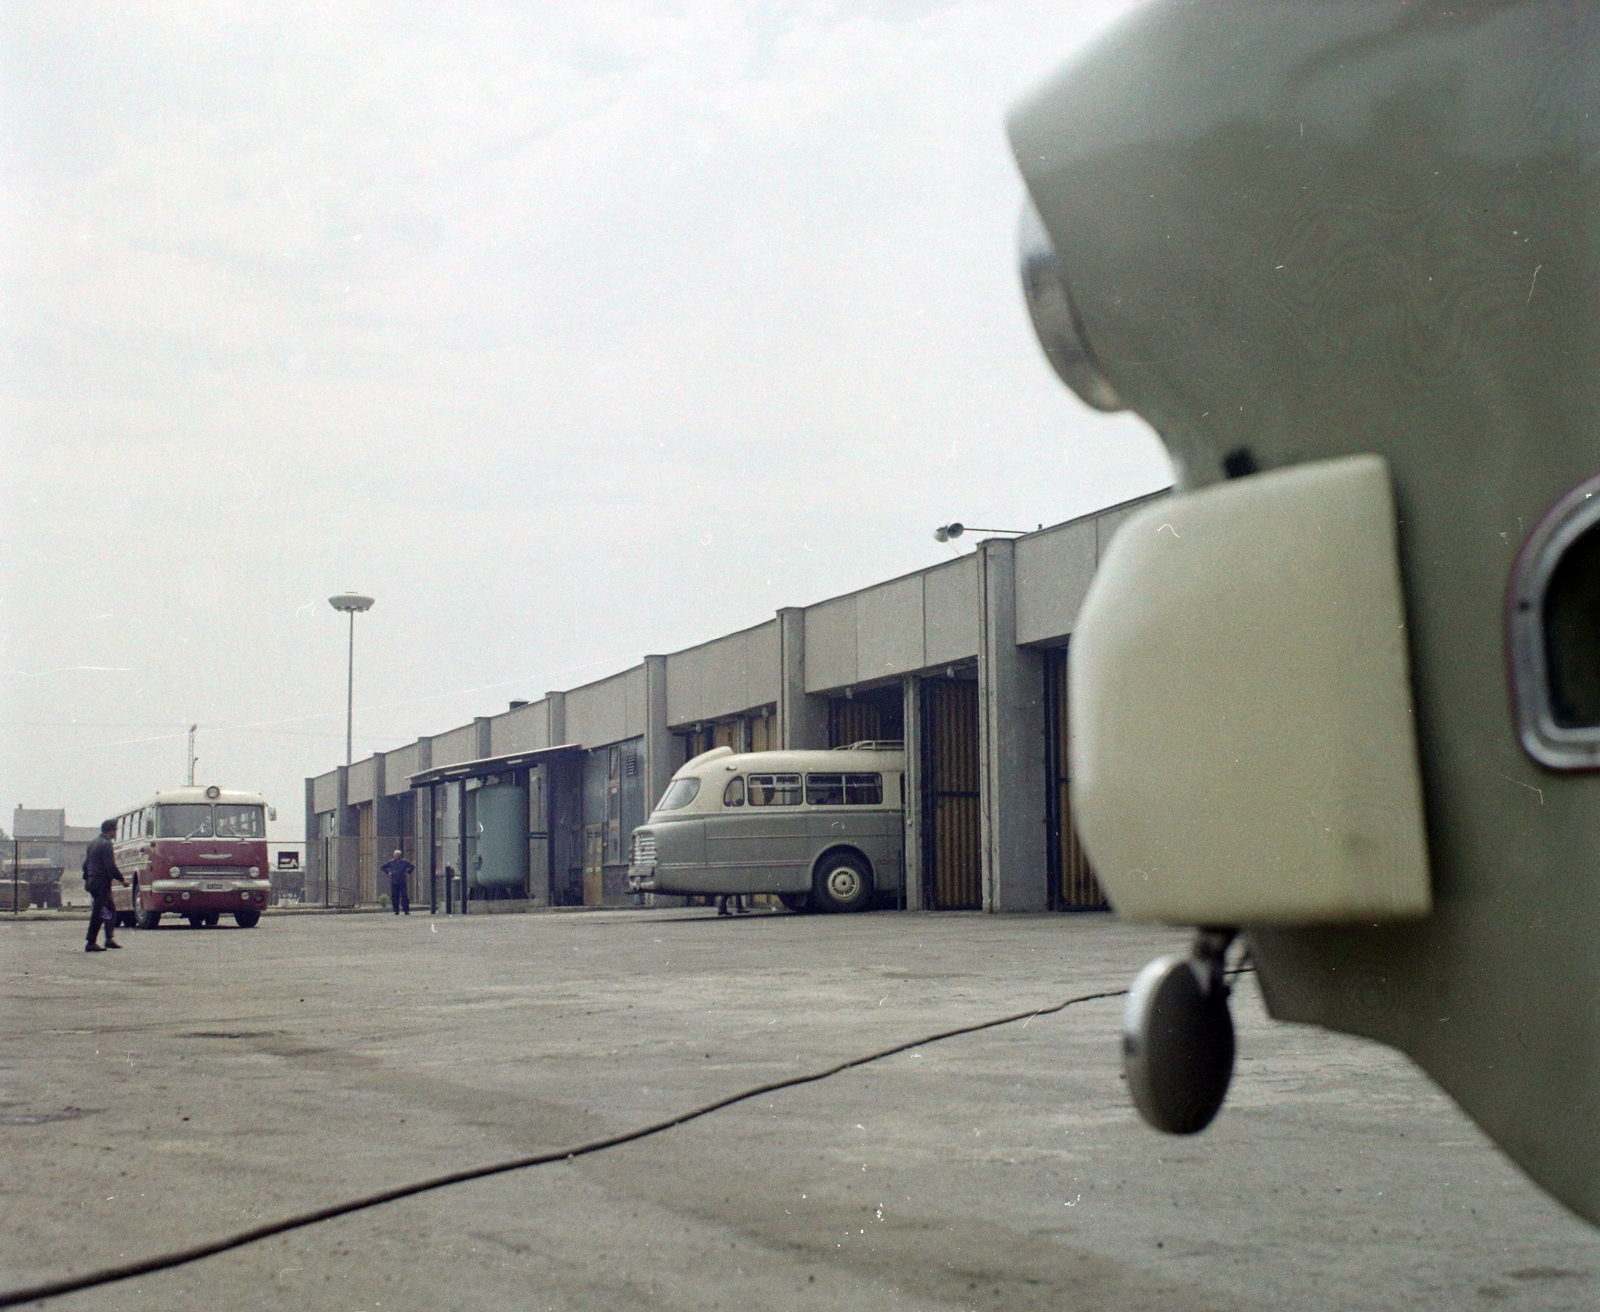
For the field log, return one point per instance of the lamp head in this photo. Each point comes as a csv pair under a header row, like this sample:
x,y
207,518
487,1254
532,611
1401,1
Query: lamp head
x,y
350,601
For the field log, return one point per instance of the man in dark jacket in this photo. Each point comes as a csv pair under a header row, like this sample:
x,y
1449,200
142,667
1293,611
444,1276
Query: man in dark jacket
x,y
399,872
99,870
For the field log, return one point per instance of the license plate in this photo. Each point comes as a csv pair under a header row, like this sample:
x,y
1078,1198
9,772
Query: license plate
x,y
215,888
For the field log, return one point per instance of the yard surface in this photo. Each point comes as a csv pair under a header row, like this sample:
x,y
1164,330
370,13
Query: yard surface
x,y
201,1081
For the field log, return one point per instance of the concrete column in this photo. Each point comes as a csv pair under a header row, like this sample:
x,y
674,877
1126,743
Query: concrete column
x,y
485,737
658,765
913,792
346,844
556,706
311,861
802,720
1011,729
424,754
422,803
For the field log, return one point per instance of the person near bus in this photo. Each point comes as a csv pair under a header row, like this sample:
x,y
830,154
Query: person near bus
x,y
399,872
99,872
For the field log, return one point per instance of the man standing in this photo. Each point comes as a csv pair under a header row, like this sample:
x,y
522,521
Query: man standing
x,y
99,870
399,872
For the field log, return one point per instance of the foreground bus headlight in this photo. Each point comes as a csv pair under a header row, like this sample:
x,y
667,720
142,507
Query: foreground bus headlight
x,y
255,872
1056,321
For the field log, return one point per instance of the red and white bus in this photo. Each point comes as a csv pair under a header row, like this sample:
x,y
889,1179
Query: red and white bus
x,y
196,852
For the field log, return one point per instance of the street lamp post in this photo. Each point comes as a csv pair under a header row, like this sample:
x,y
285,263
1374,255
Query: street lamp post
x,y
954,530
350,603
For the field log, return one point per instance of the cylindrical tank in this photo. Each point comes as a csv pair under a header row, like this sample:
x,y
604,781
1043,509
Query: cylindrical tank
x,y
501,850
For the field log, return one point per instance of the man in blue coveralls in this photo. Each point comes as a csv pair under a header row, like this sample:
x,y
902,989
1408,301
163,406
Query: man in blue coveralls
x,y
399,872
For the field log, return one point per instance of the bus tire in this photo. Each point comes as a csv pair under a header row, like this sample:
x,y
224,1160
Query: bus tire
x,y
843,882
209,920
246,919
148,919
796,902
194,918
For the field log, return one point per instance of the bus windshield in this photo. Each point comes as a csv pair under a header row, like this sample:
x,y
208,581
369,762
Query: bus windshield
x,y
239,821
202,820
180,820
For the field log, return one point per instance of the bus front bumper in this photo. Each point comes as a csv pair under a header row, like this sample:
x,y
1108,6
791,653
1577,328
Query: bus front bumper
x,y
642,879
207,894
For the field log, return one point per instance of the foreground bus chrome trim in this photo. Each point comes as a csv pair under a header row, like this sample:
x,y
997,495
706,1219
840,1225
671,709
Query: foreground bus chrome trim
x,y
210,885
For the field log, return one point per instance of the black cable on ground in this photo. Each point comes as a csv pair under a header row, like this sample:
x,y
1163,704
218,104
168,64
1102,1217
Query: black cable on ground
x,y
167,1261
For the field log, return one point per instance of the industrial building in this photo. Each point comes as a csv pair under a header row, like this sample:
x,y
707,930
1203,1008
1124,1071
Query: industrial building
x,y
47,851
965,661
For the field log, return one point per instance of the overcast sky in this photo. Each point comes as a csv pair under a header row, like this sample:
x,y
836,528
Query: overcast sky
x,y
570,331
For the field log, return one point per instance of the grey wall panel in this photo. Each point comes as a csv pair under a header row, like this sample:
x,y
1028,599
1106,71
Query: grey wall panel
x,y
363,774
597,713
457,745
522,730
325,791
684,676
889,631
950,604
1053,570
831,644
761,664
1106,525
636,692
396,766
723,677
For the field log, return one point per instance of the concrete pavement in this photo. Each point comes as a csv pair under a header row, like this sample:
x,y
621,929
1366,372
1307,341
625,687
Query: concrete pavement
x,y
201,1081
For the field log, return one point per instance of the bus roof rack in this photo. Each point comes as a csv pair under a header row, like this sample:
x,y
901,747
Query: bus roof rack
x,y
874,745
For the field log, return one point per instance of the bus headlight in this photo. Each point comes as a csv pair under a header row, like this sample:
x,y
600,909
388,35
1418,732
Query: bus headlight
x,y
1056,321
255,872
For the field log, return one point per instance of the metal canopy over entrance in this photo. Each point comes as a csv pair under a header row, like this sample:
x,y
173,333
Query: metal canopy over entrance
x,y
490,765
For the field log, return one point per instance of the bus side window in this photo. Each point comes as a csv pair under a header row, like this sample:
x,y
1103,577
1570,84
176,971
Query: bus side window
x,y
863,789
824,790
150,823
733,794
774,790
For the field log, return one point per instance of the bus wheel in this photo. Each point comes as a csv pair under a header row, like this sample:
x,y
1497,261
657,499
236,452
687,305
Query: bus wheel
x,y
246,919
148,919
842,883
210,919
195,919
796,902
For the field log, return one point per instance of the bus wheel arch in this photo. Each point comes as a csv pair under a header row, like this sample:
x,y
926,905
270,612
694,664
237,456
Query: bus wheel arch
x,y
841,880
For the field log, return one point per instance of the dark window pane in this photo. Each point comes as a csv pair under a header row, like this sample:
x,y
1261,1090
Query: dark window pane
x,y
863,789
824,790
1572,634
733,794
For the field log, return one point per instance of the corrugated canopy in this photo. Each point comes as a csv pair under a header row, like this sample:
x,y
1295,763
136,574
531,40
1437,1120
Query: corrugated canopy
x,y
490,765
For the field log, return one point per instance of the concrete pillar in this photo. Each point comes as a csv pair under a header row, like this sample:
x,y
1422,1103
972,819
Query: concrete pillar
x,y
346,844
802,720
913,793
422,802
424,754
658,762
311,861
1011,747
556,707
485,745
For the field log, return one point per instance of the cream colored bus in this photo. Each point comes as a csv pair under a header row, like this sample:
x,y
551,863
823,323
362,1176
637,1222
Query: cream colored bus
x,y
823,829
